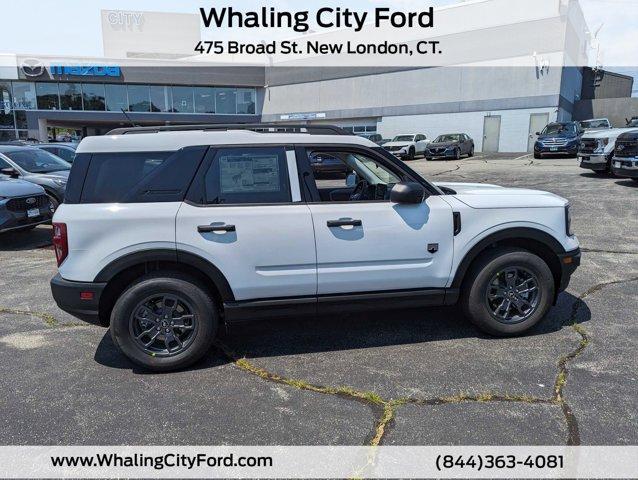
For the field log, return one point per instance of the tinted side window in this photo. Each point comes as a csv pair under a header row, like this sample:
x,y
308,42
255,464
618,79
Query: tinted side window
x,y
112,175
140,177
248,175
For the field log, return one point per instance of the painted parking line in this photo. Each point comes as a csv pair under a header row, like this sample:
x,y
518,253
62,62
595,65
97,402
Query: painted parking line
x,y
524,156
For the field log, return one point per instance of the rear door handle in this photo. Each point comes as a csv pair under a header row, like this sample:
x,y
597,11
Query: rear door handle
x,y
215,228
344,223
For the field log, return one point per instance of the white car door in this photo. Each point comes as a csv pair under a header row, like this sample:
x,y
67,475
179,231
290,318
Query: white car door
x,y
377,245
245,216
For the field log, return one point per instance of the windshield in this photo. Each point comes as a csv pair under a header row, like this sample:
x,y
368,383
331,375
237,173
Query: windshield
x,y
594,124
447,138
557,128
38,161
404,138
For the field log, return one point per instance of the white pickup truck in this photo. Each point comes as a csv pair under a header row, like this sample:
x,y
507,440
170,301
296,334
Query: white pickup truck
x,y
597,147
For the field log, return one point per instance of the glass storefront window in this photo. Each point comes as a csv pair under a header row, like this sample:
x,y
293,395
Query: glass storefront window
x,y
226,101
161,99
93,94
7,135
24,96
139,98
204,100
47,95
183,99
116,98
6,106
21,119
70,96
246,101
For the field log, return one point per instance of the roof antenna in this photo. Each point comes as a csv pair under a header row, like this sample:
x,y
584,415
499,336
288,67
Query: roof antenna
x,y
129,118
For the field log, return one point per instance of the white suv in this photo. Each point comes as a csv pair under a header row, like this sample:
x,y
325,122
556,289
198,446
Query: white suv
x,y
168,232
407,146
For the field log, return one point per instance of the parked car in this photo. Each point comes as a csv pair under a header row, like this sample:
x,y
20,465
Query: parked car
x,y
384,141
450,145
558,139
66,151
407,146
595,124
36,166
625,161
326,164
167,233
597,149
23,205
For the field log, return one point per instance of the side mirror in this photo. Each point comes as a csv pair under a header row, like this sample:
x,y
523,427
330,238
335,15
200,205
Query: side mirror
x,y
407,192
11,172
538,133
351,179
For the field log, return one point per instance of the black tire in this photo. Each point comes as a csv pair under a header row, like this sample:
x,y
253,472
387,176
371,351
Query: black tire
x,y
186,289
537,156
477,283
411,153
428,158
457,154
53,202
471,154
635,180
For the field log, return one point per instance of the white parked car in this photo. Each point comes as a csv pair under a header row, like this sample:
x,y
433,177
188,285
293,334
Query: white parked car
x,y
407,146
167,233
597,147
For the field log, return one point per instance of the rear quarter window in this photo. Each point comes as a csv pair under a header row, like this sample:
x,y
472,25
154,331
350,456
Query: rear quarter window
x,y
140,177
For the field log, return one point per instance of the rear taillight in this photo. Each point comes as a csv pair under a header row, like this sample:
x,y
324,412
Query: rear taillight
x,y
60,242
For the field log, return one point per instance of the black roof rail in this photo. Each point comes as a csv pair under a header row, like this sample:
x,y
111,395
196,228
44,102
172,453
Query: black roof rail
x,y
255,127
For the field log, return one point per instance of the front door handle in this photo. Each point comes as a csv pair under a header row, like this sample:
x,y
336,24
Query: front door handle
x,y
215,228
344,223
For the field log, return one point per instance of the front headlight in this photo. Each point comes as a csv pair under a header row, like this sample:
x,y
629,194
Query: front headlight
x,y
602,143
59,182
568,221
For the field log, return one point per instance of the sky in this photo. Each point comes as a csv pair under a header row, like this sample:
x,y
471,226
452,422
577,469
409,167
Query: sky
x,y
72,27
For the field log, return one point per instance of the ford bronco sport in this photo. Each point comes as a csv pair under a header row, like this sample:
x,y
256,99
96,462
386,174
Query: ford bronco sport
x,y
166,233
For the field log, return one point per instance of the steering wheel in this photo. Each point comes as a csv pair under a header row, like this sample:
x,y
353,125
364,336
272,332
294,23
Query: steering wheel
x,y
359,192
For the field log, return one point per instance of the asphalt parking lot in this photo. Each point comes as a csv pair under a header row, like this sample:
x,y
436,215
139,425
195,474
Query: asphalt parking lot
x,y
411,377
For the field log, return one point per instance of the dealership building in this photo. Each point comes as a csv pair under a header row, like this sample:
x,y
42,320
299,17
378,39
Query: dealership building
x,y
500,101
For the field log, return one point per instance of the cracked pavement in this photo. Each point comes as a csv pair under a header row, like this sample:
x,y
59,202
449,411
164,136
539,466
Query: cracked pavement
x,y
412,377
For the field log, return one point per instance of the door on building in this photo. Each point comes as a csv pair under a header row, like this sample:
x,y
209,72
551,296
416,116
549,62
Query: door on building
x,y
537,121
491,133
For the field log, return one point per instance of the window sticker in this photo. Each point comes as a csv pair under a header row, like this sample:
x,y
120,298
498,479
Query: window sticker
x,y
255,173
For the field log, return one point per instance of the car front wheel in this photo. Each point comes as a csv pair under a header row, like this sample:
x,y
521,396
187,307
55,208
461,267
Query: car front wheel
x,y
163,322
53,203
507,292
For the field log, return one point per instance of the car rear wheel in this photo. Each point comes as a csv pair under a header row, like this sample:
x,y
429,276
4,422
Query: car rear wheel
x,y
163,322
507,292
